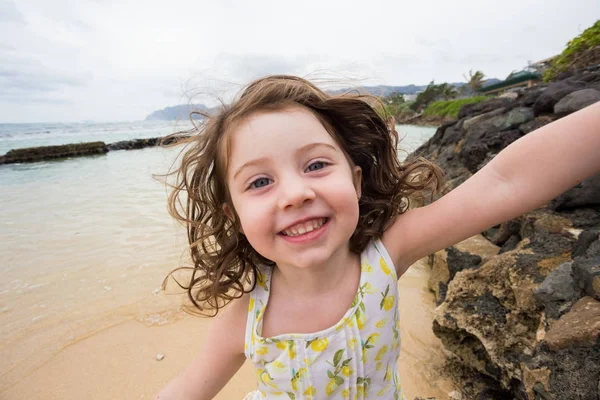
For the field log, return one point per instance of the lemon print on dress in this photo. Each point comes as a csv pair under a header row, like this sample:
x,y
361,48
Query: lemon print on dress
x,y
262,281
388,373
369,344
382,352
341,368
352,343
384,266
261,351
362,386
367,288
310,391
361,319
381,323
384,390
318,345
265,377
297,377
333,384
387,301
281,345
291,350
366,267
361,316
347,370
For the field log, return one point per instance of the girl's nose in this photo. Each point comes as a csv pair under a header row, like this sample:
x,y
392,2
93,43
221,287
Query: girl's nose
x,y
294,192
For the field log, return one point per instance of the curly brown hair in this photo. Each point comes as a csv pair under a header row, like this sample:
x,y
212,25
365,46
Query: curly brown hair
x,y
225,264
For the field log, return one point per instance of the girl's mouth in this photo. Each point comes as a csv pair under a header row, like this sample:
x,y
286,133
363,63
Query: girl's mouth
x,y
305,227
305,231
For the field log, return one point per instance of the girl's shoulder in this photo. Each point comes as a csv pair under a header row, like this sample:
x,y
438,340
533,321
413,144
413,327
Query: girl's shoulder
x,y
377,254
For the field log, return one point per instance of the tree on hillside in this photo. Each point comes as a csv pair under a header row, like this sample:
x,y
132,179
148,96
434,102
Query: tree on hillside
x,y
475,80
448,92
394,98
394,103
426,97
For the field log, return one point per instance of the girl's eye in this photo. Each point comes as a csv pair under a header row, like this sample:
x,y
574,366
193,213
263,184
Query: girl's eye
x,y
316,166
260,182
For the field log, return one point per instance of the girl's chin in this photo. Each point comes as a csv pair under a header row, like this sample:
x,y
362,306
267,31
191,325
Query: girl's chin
x,y
306,260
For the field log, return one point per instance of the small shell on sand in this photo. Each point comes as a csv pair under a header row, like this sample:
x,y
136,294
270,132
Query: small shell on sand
x,y
160,356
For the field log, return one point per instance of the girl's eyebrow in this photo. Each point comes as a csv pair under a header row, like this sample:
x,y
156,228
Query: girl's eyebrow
x,y
302,149
313,145
250,163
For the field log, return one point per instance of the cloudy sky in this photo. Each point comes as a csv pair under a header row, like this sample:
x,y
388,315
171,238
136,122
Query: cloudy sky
x,y
116,60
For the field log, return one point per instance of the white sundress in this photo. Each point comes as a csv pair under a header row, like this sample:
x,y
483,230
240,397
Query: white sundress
x,y
357,358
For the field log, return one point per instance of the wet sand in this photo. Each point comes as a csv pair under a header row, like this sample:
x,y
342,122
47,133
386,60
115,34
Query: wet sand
x,y
119,362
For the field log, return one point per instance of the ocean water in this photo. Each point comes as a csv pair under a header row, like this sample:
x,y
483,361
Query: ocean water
x,y
86,242
15,136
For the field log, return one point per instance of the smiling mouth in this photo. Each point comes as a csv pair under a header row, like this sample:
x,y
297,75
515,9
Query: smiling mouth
x,y
305,227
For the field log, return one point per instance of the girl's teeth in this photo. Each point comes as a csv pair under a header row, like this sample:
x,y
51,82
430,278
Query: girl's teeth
x,y
304,228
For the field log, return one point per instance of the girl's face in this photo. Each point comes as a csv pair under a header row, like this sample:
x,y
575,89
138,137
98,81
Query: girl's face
x,y
293,189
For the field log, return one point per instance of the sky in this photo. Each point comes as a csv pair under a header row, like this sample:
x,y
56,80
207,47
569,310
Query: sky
x,y
120,60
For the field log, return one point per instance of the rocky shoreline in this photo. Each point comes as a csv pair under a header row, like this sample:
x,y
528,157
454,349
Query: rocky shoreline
x,y
43,153
519,306
421,120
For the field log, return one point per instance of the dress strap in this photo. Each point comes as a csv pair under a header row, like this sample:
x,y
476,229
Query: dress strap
x,y
258,300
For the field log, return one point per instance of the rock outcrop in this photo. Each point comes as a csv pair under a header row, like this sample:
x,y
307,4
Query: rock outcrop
x,y
523,311
33,154
42,153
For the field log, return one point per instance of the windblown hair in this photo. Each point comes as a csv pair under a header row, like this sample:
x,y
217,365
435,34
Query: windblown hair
x,y
225,264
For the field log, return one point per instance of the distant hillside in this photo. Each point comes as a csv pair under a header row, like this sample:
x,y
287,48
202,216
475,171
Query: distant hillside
x,y
384,90
183,111
176,112
491,81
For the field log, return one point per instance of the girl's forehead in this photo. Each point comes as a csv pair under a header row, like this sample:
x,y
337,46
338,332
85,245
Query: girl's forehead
x,y
278,131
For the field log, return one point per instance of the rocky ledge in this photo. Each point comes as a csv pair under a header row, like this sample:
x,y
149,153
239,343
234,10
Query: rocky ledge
x,y
42,153
519,305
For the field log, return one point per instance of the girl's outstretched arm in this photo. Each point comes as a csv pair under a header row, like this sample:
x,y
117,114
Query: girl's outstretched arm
x,y
221,357
527,174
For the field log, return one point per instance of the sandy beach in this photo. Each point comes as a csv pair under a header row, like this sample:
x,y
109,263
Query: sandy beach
x,y
81,309
119,362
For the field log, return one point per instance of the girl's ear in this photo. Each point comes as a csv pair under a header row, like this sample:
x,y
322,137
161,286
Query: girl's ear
x,y
228,210
357,179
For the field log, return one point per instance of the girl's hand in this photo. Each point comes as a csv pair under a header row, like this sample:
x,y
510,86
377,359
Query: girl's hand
x,y
527,174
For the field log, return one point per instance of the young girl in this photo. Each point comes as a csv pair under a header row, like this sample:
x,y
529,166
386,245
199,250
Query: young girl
x,y
298,215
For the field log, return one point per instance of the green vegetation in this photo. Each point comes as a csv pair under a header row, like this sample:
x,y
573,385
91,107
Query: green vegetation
x,y
432,93
580,52
436,100
394,103
450,108
475,80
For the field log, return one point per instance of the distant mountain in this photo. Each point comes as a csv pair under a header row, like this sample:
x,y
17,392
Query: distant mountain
x,y
491,81
183,111
384,90
177,112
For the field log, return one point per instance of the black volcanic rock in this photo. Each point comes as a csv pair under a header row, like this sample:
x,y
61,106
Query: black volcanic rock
x,y
519,317
33,154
